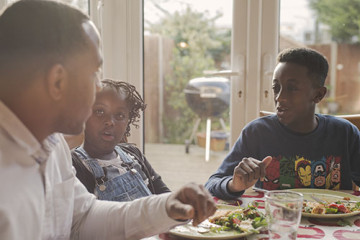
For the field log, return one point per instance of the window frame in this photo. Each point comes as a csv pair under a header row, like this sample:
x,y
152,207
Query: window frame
x,y
122,46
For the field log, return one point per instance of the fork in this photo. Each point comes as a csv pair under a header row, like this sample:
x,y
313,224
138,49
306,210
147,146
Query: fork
x,y
259,189
318,200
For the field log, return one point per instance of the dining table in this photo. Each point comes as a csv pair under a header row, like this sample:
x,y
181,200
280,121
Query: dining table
x,y
347,228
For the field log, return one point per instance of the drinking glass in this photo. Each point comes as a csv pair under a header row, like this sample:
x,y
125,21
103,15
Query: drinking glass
x,y
283,212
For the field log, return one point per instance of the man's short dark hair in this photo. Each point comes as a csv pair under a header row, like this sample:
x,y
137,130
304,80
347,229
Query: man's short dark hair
x,y
315,62
38,33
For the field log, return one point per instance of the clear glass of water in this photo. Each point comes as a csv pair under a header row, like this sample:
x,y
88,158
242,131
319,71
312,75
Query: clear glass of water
x,y
283,211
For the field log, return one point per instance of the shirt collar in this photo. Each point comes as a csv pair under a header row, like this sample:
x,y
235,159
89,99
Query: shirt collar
x,y
22,136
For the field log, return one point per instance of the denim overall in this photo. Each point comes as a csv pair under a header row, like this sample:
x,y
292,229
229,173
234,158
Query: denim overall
x,y
126,187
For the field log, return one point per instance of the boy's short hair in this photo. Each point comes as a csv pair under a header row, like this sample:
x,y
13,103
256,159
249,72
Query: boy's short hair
x,y
35,34
315,62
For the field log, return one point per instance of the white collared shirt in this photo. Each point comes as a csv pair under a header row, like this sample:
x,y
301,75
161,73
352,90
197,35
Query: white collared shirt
x,y
40,197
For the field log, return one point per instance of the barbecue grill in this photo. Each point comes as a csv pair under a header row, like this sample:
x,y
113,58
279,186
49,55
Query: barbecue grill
x,y
208,97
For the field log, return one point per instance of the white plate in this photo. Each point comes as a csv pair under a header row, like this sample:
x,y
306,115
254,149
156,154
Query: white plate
x,y
191,232
329,196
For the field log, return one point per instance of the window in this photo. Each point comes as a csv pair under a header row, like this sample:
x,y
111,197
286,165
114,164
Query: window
x,y
248,62
83,5
184,43
250,56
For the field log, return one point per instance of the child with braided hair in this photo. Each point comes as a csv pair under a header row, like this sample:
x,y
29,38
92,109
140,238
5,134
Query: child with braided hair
x,y
108,166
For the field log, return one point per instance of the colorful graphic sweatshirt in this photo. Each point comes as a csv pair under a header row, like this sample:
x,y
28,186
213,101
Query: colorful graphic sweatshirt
x,y
327,158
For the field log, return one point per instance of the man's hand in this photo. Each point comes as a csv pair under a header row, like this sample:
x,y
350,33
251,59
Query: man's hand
x,y
192,201
247,172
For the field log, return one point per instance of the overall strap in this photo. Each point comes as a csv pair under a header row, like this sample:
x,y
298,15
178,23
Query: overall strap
x,y
124,157
91,162
129,148
82,172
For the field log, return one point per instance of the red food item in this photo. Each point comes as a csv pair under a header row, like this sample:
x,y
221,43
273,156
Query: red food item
x,y
339,207
334,205
236,221
343,209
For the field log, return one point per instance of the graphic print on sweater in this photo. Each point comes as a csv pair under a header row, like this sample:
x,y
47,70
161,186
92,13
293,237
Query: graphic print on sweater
x,y
298,172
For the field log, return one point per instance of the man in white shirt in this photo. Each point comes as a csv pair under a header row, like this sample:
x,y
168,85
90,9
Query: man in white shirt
x,y
49,56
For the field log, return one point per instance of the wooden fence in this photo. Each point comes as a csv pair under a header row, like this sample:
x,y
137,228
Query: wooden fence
x,y
157,56
347,70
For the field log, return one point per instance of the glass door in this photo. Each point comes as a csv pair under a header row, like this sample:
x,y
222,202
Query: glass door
x,y
186,45
187,121
184,41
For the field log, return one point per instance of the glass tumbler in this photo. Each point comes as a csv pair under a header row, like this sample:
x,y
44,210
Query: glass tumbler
x,y
283,213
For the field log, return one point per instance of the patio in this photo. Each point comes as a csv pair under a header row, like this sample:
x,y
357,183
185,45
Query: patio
x,y
177,168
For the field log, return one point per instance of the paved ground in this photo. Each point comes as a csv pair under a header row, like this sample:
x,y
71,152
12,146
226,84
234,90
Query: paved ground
x,y
177,168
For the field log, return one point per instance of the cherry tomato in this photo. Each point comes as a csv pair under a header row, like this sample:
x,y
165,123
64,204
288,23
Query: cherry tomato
x,y
334,205
342,208
236,221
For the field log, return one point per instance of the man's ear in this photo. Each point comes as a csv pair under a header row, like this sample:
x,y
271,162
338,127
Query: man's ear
x,y
56,79
320,94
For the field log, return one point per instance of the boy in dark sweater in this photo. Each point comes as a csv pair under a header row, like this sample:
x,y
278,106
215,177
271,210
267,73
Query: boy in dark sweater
x,y
294,148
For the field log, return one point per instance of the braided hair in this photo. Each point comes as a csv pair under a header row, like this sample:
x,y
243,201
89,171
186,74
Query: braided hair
x,y
132,98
